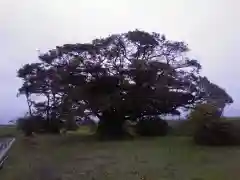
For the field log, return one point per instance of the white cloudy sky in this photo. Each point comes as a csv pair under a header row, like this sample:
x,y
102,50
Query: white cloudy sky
x,y
210,27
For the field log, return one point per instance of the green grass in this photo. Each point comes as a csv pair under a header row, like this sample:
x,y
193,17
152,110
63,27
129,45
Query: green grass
x,y
8,130
74,157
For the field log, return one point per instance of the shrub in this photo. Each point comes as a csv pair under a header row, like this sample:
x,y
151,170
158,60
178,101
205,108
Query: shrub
x,y
181,128
26,124
152,126
215,133
37,124
208,127
202,114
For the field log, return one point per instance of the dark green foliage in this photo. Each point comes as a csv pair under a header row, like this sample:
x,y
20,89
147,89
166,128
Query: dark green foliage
x,y
215,134
27,124
203,114
37,124
152,126
209,127
181,128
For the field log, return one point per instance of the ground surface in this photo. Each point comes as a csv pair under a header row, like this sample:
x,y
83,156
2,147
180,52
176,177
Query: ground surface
x,y
73,158
77,157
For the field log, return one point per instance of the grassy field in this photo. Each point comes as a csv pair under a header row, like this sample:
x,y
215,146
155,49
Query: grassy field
x,y
79,157
74,157
8,130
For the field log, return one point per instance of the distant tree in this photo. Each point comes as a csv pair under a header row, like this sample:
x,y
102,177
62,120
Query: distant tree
x,y
122,77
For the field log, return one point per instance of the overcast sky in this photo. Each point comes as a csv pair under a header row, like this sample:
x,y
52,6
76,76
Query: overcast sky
x,y
210,27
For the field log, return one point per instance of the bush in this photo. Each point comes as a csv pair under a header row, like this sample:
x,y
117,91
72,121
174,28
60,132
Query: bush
x,y
27,125
181,128
37,124
215,133
202,114
152,126
208,127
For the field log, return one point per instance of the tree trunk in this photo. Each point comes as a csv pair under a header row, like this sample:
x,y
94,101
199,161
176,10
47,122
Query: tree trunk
x,y
28,133
28,128
48,108
53,125
29,104
111,126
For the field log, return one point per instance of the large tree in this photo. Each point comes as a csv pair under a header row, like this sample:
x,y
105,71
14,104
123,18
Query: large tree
x,y
122,77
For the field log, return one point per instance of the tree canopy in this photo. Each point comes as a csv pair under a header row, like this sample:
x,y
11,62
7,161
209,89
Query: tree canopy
x,y
121,77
